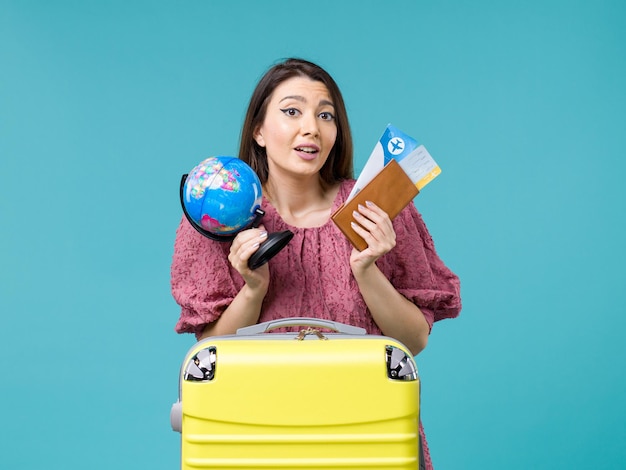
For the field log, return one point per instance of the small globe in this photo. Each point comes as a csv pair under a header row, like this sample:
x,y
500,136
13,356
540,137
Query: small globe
x,y
221,195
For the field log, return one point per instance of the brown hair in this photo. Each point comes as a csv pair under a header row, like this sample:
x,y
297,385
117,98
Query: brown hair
x,y
338,167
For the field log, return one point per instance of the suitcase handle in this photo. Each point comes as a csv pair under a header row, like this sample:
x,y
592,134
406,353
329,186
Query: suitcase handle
x,y
301,321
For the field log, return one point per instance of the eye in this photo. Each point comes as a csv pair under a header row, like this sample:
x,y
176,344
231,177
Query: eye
x,y
290,111
327,116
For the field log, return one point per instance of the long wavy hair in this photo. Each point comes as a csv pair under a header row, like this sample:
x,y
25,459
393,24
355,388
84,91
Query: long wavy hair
x,y
339,165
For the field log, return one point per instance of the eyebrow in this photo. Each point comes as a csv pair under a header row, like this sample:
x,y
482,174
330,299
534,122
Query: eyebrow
x,y
303,100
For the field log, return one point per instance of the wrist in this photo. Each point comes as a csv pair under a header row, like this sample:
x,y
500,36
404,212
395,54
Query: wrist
x,y
363,272
254,292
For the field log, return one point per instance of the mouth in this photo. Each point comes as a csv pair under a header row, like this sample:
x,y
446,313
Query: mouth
x,y
308,149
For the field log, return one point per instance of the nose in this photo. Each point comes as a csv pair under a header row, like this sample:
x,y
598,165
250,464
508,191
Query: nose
x,y
309,125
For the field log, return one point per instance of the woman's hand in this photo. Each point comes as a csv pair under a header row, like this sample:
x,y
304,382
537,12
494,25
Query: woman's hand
x,y
245,308
245,244
374,226
394,314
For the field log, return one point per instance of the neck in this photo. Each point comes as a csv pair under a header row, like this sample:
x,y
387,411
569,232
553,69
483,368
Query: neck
x,y
302,202
294,194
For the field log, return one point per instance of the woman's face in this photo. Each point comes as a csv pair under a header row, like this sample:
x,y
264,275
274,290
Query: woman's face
x,y
299,129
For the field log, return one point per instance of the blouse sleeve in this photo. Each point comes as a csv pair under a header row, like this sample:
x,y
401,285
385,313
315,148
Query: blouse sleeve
x,y
202,281
417,272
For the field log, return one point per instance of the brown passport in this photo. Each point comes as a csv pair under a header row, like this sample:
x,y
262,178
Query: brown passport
x,y
391,190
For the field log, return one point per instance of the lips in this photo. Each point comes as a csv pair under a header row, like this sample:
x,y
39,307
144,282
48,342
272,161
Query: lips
x,y
307,151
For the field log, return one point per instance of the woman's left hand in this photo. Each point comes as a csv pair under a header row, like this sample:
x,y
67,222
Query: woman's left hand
x,y
374,226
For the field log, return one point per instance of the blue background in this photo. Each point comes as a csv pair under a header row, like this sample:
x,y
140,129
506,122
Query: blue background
x,y
103,105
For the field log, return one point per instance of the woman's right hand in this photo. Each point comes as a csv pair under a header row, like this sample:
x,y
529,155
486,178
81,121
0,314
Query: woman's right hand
x,y
245,308
245,244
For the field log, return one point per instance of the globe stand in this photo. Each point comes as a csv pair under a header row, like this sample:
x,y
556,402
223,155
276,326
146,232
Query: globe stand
x,y
275,241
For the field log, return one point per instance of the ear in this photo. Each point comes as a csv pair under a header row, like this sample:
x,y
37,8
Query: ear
x,y
258,136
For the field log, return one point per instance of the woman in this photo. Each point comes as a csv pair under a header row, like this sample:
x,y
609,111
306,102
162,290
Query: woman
x,y
297,138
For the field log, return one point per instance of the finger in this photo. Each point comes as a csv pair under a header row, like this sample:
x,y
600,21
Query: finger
x,y
374,221
363,220
380,238
244,245
371,208
245,237
371,212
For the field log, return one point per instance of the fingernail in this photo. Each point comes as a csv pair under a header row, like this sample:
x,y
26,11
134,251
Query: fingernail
x,y
356,214
354,225
263,235
369,203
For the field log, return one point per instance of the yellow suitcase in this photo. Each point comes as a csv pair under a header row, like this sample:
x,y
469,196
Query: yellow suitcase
x,y
326,397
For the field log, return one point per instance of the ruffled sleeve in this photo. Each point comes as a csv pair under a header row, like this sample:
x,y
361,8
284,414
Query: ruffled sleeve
x,y
202,280
417,272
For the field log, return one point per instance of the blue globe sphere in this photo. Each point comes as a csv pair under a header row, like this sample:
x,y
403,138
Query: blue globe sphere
x,y
222,194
